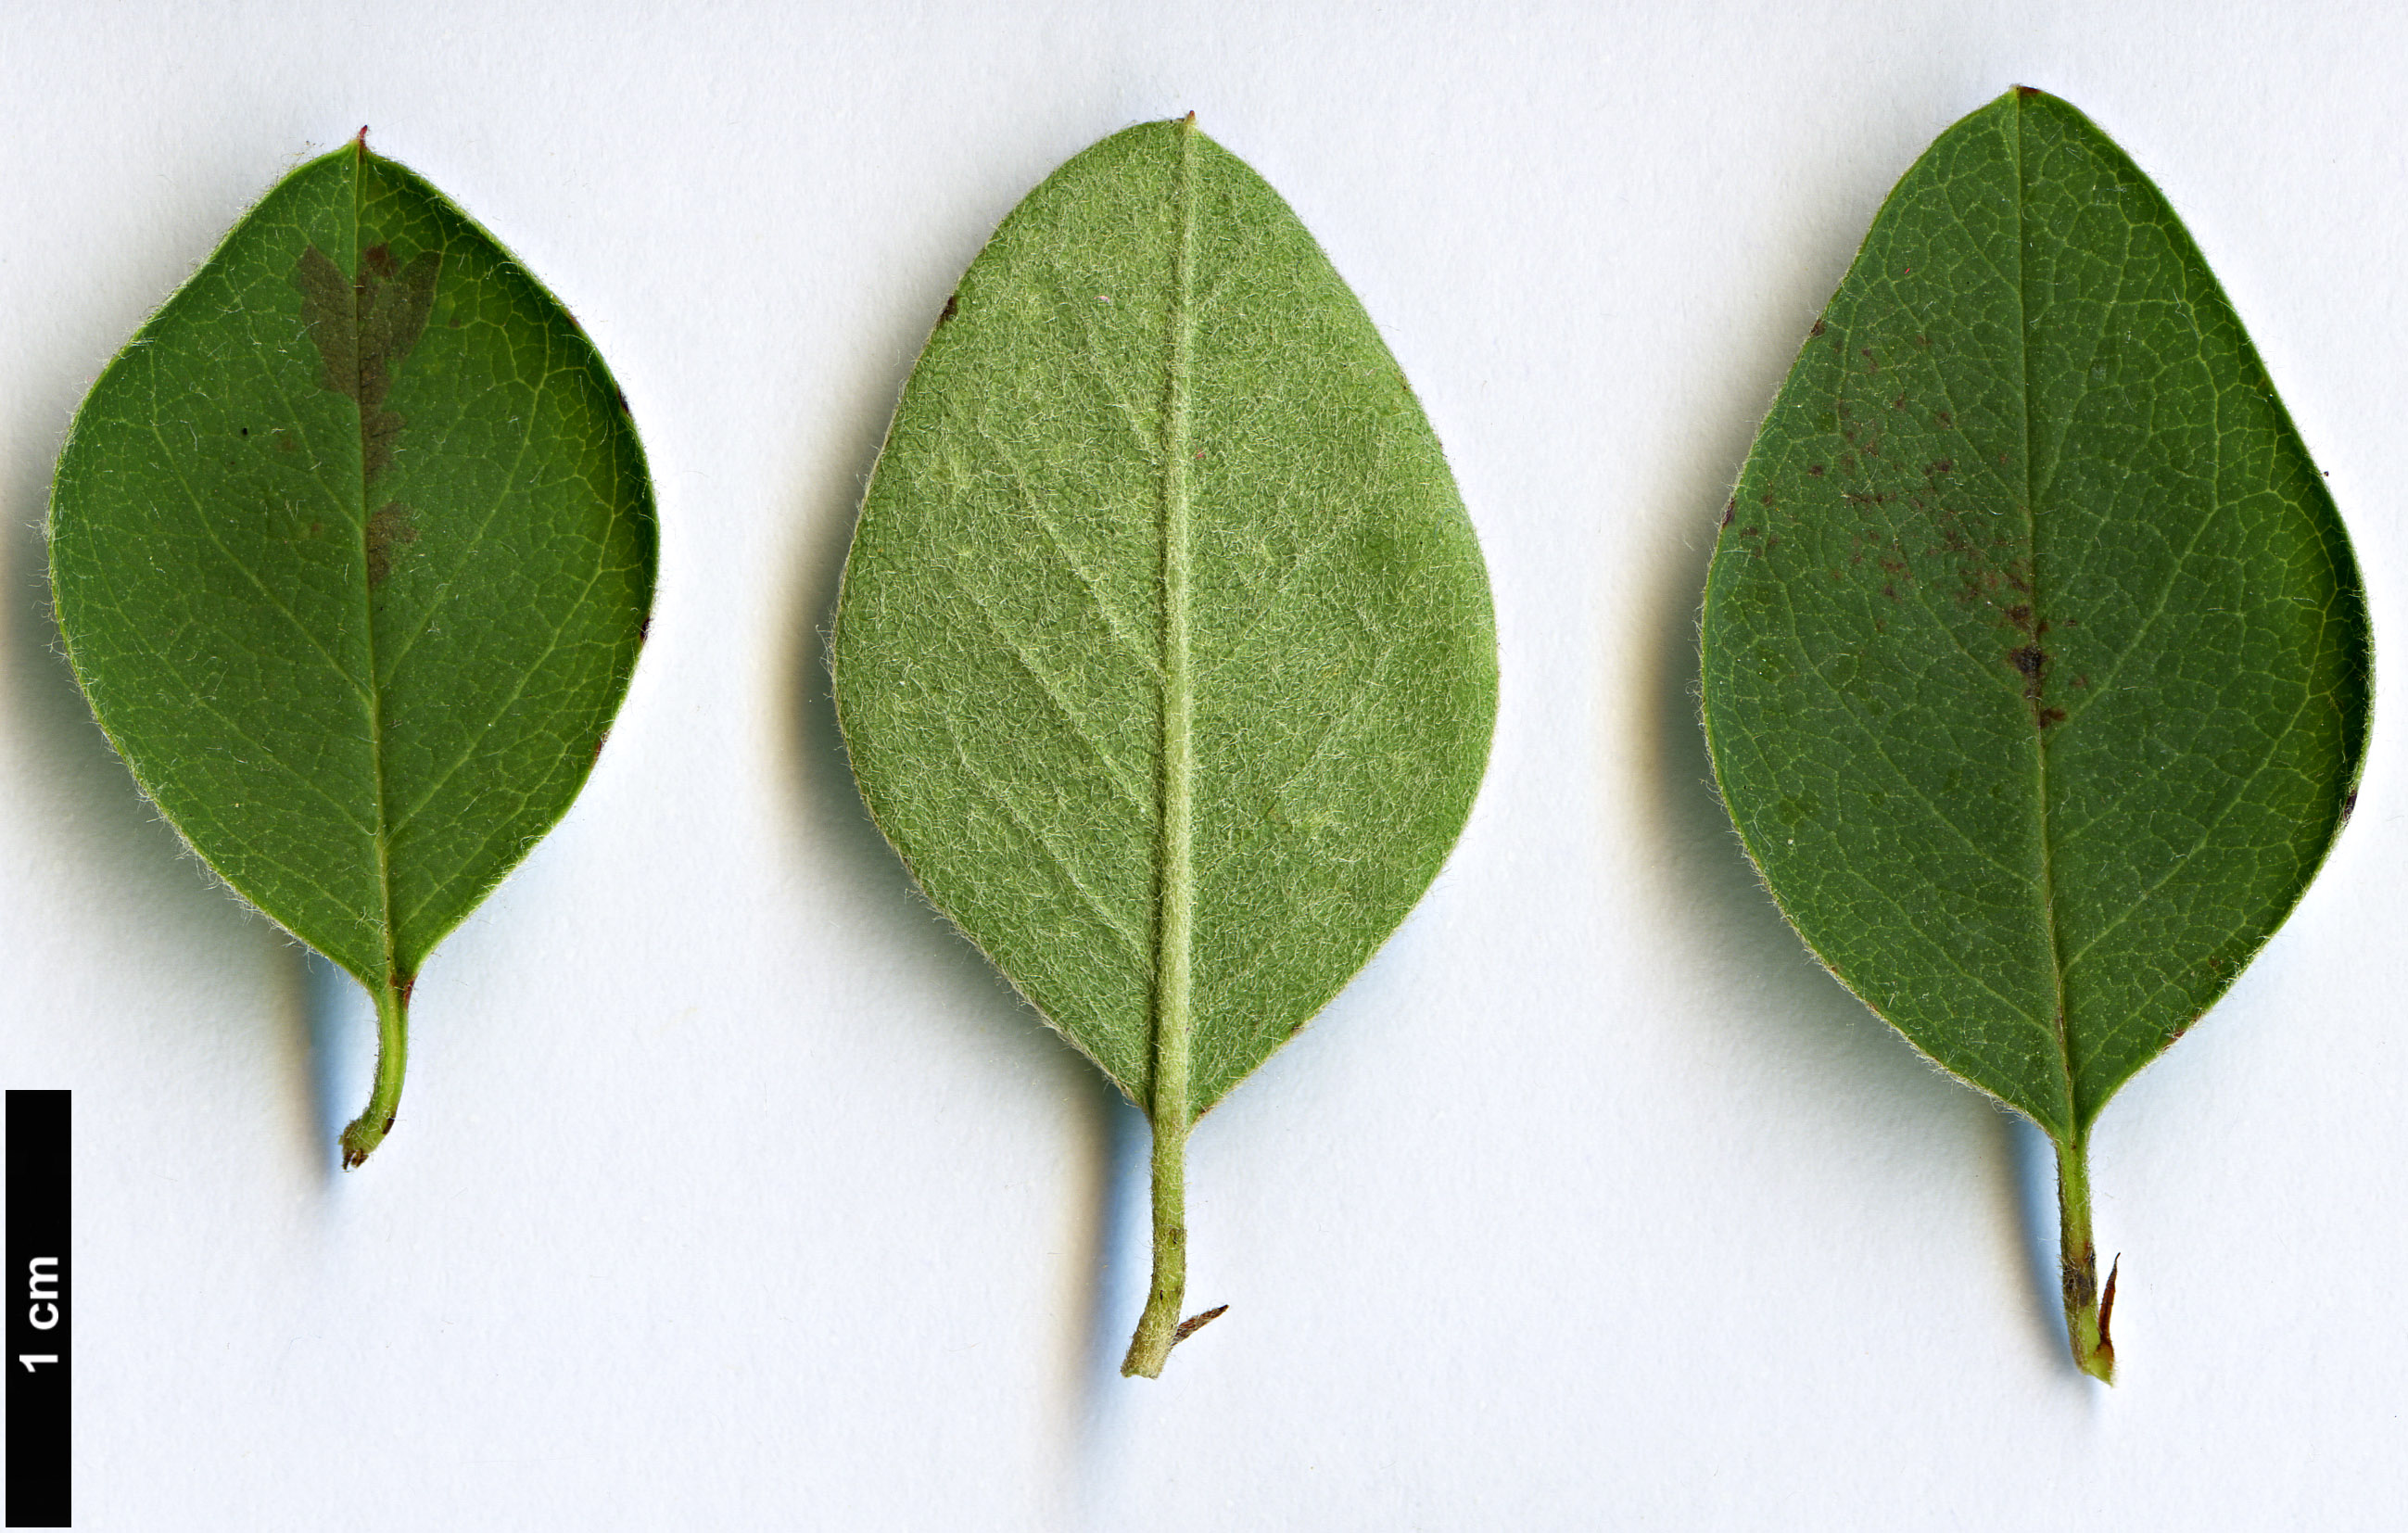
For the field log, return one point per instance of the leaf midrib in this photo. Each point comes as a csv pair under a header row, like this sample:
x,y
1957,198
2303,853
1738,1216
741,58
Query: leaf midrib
x,y
1175,915
2033,703
382,839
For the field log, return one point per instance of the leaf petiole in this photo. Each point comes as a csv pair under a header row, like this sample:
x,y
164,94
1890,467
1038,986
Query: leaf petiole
x,y
1158,1329
2087,1309
369,1129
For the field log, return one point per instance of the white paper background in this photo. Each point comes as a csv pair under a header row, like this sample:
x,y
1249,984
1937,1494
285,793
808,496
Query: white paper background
x,y
731,1190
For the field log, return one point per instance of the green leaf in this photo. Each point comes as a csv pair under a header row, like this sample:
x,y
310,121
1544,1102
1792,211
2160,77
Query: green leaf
x,y
1165,654
352,550
2037,665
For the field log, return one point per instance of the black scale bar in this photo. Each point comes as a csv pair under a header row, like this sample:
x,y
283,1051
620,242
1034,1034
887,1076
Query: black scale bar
x,y
40,1359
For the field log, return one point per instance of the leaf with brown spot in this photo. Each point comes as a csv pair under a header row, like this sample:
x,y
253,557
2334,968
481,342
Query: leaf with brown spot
x,y
352,549
2039,882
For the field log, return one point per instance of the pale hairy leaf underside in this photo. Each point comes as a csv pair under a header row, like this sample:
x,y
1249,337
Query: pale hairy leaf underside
x,y
1165,655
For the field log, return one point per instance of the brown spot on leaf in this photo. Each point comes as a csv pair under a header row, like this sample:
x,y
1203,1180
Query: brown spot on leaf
x,y
1815,469
2050,715
953,306
391,529
363,328
1730,511
2031,660
2349,805
1819,328
1944,418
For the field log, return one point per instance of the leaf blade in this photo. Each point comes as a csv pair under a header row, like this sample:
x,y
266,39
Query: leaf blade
x,y
360,655
2037,662
1035,560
